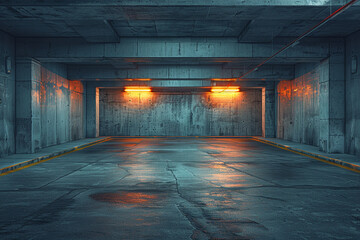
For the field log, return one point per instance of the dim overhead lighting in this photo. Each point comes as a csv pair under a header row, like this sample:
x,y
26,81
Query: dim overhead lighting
x,y
137,89
225,89
138,79
224,79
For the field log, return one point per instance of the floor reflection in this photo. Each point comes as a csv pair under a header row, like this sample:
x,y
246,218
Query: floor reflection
x,y
126,198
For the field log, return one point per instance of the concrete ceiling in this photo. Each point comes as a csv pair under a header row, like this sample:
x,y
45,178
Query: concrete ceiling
x,y
107,21
64,25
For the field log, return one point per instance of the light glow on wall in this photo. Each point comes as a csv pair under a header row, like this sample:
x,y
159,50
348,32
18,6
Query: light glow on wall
x,y
225,89
224,79
137,89
137,79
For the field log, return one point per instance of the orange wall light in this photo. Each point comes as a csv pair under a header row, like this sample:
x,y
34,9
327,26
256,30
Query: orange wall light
x,y
225,89
224,79
137,89
137,79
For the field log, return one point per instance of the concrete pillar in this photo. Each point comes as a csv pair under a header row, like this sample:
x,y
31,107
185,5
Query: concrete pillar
x,y
28,130
332,100
92,111
268,110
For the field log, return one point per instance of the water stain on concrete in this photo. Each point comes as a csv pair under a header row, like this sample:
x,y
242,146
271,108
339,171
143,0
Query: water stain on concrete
x,y
130,198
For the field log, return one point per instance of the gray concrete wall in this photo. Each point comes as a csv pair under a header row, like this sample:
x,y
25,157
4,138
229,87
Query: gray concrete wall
x,y
62,104
352,137
28,111
77,110
268,110
7,96
298,110
92,110
161,114
332,100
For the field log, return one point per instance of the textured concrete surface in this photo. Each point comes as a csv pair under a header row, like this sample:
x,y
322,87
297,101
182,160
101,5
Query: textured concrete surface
x,y
255,20
175,71
28,113
347,161
77,47
298,105
92,111
16,161
332,101
71,50
54,104
353,96
188,188
62,105
179,85
184,114
268,109
7,96
49,108
311,108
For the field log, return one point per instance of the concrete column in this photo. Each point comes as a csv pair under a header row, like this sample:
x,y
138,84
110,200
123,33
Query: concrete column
x,y
332,100
268,110
92,111
28,130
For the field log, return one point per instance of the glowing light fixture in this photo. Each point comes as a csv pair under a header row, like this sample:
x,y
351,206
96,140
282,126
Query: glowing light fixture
x,y
138,79
225,89
224,79
137,89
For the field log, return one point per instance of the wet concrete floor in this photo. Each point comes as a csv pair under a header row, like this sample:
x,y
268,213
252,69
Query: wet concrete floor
x,y
180,188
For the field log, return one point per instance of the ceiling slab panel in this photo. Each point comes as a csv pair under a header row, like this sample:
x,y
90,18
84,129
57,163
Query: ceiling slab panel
x,y
166,13
140,28
37,28
74,12
154,18
96,31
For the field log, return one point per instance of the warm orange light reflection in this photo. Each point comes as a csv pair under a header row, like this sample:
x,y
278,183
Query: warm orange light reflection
x,y
224,79
138,79
137,89
225,89
138,99
125,197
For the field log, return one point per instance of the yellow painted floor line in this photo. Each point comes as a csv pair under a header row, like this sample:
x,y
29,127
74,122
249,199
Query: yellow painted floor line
x,y
50,158
308,154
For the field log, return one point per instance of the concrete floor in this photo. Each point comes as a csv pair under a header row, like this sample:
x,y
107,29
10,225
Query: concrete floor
x,y
180,188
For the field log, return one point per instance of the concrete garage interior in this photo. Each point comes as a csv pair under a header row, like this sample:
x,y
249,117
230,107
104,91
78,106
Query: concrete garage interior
x,y
179,119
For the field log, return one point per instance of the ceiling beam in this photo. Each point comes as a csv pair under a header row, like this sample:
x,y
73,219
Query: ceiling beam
x,y
174,72
52,48
169,85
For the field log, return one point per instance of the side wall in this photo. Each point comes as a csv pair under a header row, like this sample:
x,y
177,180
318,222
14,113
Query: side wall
x,y
164,114
298,104
352,136
62,103
7,96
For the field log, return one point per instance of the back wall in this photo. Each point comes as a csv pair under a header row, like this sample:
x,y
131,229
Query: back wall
x,y
170,114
